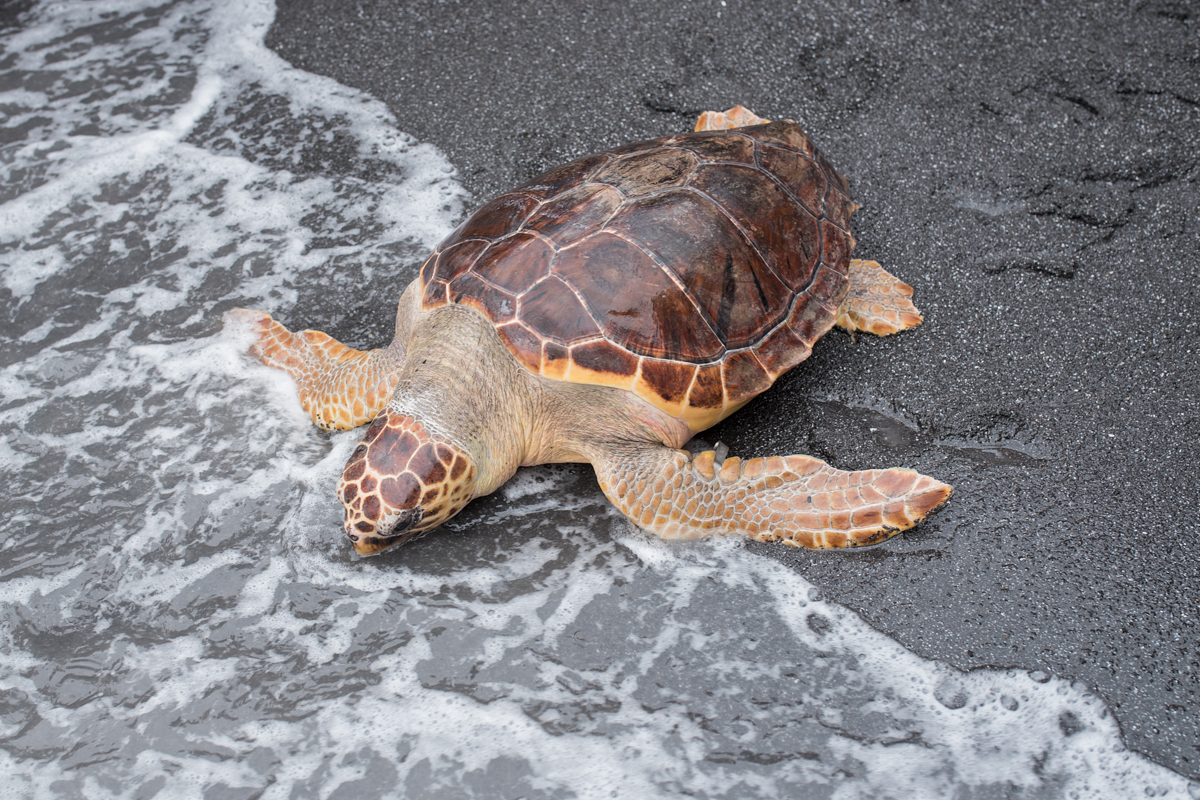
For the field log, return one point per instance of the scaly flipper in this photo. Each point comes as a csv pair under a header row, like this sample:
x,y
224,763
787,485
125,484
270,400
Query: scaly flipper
x,y
877,302
339,386
795,500
736,117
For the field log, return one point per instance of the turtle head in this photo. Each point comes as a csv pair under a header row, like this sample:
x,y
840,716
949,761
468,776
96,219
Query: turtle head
x,y
402,481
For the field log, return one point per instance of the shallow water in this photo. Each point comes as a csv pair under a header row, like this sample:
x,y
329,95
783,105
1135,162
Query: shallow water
x,y
179,613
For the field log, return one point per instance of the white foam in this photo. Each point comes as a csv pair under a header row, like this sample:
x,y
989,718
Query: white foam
x,y
19,591
529,482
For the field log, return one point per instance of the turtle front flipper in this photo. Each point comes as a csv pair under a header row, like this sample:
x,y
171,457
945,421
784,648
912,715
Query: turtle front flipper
x,y
339,386
877,302
795,500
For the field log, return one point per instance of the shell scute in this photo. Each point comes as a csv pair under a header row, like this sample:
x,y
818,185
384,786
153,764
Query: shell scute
x,y
604,357
832,175
707,389
639,146
643,173
787,236
670,380
783,134
436,294
428,268
828,287
497,217
556,359
799,175
743,375
516,263
634,300
471,290
810,321
721,271
560,179
551,305
720,147
837,245
568,217
458,258
524,344
783,349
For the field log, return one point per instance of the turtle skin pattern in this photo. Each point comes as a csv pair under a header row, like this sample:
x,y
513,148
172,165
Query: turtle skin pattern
x,y
692,270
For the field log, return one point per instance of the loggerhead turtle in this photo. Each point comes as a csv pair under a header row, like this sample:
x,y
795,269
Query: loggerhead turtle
x,y
605,312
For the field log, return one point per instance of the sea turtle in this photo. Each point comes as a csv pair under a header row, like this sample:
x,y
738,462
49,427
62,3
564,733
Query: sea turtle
x,y
605,312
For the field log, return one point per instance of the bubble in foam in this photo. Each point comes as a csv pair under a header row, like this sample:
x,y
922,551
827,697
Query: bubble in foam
x,y
951,693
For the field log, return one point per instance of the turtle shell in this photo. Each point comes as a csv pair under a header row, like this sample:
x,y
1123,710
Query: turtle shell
x,y
692,270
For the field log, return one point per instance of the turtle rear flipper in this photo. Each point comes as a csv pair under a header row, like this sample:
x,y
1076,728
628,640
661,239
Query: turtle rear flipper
x,y
795,500
877,302
339,386
736,117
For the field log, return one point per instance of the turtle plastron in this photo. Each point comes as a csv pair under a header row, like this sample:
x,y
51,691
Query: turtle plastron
x,y
876,302
340,387
794,500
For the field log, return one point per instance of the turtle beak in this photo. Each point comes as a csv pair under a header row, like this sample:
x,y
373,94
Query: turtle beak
x,y
398,532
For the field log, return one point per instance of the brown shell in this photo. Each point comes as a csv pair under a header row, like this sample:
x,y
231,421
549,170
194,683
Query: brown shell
x,y
692,270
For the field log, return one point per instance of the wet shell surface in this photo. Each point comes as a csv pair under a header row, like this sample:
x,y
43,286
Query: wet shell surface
x,y
692,270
